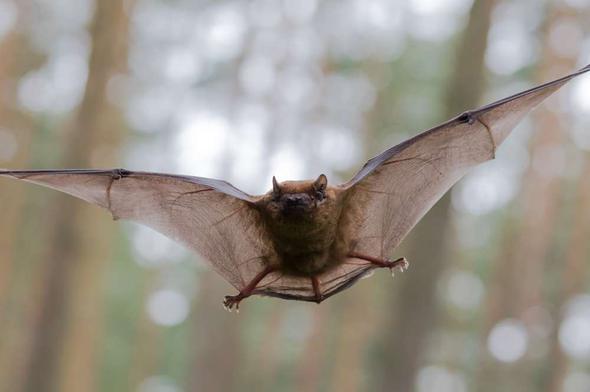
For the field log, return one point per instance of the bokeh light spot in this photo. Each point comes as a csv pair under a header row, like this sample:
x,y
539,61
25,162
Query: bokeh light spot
x,y
508,340
8,15
464,290
581,94
576,382
203,139
286,163
574,331
154,249
337,147
257,76
224,38
483,191
158,384
167,307
440,379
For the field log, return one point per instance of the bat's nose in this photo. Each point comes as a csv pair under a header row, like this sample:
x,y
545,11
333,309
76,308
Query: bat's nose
x,y
296,200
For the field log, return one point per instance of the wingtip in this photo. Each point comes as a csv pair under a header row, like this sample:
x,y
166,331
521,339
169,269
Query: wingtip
x,y
581,71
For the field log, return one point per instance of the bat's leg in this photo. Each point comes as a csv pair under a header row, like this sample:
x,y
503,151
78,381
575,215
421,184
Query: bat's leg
x,y
230,300
401,263
315,283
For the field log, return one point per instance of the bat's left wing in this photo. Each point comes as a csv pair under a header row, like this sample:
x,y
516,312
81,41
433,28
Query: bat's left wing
x,y
396,188
209,216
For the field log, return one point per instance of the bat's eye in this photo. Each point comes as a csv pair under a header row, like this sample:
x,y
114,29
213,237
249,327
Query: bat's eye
x,y
320,195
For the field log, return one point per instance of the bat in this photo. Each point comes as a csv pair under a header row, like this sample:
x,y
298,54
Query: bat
x,y
304,240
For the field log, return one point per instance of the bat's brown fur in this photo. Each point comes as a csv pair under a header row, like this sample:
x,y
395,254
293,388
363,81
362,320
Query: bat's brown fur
x,y
311,241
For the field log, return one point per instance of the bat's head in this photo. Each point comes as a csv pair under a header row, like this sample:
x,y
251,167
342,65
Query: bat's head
x,y
293,198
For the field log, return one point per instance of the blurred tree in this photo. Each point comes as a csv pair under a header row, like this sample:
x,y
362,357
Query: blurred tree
x,y
266,375
406,335
574,274
15,51
310,372
64,351
145,348
216,342
532,249
571,264
351,341
216,349
16,132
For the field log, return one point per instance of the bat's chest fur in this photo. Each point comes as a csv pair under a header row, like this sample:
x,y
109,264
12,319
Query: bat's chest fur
x,y
307,244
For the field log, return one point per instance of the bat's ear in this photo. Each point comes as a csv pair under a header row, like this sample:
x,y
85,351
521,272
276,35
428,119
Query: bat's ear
x,y
276,189
321,183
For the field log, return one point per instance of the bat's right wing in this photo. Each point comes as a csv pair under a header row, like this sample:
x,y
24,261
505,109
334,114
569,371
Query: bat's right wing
x,y
209,216
396,188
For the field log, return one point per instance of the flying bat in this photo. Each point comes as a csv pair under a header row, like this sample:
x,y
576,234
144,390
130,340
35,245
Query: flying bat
x,y
304,240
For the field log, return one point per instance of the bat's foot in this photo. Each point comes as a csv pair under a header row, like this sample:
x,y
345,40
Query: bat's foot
x,y
229,301
400,264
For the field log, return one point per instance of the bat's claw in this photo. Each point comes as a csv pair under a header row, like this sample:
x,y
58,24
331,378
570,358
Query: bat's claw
x,y
467,117
229,301
399,264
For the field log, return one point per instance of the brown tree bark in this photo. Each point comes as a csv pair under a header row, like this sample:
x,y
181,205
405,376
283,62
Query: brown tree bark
x,y
215,342
313,358
65,344
574,272
267,360
409,328
17,58
13,50
572,265
147,344
527,257
356,327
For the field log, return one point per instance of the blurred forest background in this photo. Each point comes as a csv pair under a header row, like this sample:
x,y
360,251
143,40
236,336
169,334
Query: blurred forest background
x,y
496,297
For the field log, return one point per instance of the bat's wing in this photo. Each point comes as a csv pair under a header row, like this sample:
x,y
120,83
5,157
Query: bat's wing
x,y
396,188
209,216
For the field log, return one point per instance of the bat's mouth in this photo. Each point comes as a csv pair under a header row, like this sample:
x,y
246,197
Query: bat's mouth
x,y
296,204
296,209
301,208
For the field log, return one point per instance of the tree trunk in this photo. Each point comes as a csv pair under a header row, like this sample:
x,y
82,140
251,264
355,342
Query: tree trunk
x,y
409,328
215,343
574,272
571,265
17,58
65,344
528,256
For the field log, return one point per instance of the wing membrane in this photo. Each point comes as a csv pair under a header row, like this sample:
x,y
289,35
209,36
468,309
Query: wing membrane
x,y
397,187
209,216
